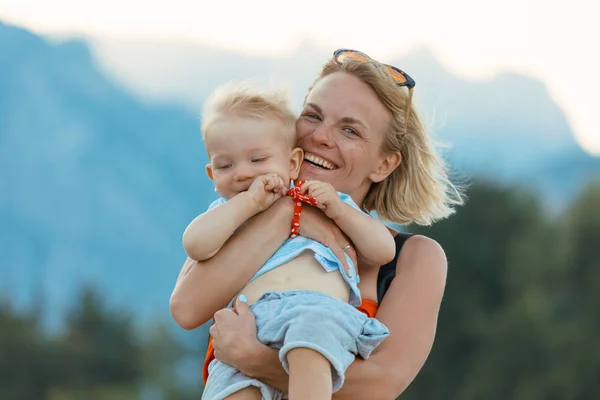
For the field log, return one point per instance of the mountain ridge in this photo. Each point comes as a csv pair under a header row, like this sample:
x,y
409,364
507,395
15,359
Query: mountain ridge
x,y
98,182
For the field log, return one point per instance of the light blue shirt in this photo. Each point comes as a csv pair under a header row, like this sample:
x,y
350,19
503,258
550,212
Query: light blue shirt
x,y
292,248
392,225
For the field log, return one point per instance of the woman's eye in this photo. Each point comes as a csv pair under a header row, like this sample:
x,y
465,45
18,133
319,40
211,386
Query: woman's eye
x,y
351,131
312,116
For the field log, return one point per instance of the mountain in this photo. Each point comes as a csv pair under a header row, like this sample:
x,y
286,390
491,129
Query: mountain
x,y
102,164
506,128
95,185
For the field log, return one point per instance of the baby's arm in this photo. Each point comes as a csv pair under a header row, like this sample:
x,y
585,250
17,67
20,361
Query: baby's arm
x,y
373,241
208,232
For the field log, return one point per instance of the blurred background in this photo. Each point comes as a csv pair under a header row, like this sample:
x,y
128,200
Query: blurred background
x,y
102,168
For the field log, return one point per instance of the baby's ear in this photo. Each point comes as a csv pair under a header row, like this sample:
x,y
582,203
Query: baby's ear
x,y
295,162
209,172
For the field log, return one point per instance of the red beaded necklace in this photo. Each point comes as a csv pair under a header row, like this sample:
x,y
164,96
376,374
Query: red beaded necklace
x,y
299,198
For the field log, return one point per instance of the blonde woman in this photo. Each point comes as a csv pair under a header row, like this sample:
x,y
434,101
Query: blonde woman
x,y
357,119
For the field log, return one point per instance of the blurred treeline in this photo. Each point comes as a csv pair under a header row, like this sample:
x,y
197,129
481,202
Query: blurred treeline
x,y
521,315
98,354
519,318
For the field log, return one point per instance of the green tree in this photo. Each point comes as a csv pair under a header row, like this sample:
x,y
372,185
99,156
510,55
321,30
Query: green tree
x,y
101,352
520,312
99,355
22,353
162,359
576,350
492,243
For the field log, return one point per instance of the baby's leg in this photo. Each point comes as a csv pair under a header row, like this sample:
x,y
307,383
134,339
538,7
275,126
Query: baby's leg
x,y
318,337
310,375
249,393
226,382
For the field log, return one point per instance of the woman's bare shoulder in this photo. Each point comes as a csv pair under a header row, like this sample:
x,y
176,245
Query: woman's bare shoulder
x,y
422,252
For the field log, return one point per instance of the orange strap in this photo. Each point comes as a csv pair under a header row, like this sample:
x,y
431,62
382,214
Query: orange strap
x,y
210,355
368,307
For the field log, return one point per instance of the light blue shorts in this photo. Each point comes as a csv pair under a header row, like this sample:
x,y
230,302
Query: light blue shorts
x,y
302,318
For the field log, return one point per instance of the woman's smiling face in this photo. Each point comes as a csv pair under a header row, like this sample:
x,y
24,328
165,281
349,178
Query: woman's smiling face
x,y
341,129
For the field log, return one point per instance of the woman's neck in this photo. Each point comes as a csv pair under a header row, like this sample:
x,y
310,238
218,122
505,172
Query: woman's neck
x,y
360,194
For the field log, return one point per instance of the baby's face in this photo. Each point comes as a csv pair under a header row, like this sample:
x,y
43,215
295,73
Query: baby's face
x,y
242,148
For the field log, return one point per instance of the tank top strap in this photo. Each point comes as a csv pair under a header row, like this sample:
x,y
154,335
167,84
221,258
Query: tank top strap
x,y
387,272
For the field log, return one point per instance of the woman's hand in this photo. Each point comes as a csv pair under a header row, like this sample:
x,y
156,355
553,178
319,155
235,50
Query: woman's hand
x,y
315,225
235,344
234,336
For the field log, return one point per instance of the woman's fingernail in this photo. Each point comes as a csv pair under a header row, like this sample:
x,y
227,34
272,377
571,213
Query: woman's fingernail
x,y
243,298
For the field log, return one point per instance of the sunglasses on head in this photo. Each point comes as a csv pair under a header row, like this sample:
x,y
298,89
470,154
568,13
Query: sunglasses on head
x,y
402,79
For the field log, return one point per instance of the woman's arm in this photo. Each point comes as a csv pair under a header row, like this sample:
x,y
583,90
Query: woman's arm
x,y
410,310
206,287
235,343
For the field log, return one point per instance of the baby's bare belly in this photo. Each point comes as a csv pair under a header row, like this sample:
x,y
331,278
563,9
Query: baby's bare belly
x,y
301,273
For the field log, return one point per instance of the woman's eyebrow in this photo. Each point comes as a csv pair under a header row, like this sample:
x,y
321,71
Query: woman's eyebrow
x,y
316,107
354,121
346,120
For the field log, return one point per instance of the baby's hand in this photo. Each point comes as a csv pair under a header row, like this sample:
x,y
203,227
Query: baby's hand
x,y
327,198
266,189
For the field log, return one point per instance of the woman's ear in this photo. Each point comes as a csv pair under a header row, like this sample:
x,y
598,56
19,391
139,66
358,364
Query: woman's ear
x,y
387,164
209,172
295,162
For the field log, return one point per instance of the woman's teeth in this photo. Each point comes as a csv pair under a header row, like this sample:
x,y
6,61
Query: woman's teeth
x,y
318,161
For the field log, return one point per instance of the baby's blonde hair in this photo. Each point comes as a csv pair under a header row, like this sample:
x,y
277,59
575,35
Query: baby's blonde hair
x,y
244,99
419,190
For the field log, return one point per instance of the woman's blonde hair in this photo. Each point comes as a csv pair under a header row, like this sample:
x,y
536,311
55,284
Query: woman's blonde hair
x,y
419,190
245,99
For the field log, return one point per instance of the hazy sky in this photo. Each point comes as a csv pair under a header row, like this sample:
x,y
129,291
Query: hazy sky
x,y
472,38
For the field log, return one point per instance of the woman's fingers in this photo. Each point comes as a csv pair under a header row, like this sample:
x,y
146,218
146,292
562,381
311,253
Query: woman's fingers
x,y
341,255
350,252
316,226
213,330
240,305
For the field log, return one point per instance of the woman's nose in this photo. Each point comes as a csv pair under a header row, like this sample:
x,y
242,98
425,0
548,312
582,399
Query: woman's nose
x,y
323,135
